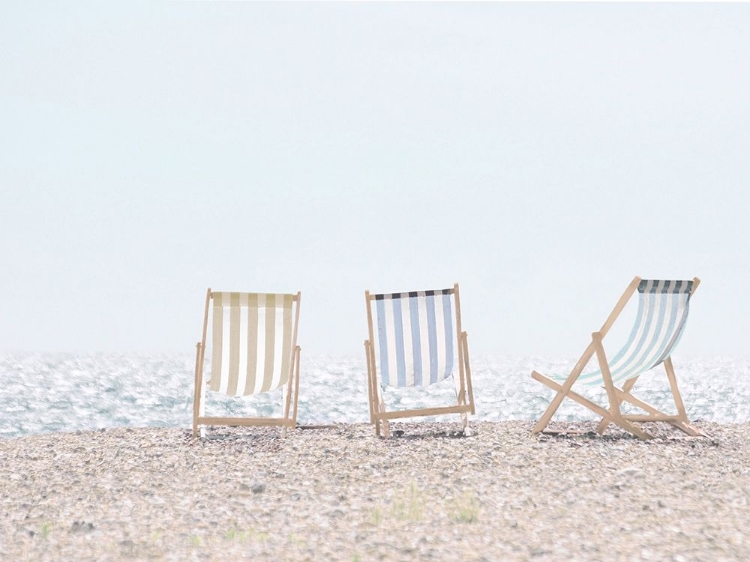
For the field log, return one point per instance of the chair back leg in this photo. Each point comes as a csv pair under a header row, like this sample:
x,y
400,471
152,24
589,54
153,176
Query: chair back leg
x,y
197,394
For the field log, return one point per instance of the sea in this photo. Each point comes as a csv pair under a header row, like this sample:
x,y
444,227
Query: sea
x,y
43,393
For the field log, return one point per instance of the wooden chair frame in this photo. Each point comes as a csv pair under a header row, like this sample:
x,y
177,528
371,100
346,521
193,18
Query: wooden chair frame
x,y
291,388
616,396
465,393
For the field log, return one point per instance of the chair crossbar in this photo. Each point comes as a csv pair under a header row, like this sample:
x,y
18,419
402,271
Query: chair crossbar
x,y
246,422
425,412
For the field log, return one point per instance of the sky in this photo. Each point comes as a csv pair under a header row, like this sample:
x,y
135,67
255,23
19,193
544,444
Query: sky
x,y
541,155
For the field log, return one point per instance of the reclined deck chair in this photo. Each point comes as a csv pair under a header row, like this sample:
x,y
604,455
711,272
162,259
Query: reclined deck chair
x,y
254,350
662,314
419,343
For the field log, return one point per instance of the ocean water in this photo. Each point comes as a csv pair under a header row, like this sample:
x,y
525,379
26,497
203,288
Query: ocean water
x,y
64,392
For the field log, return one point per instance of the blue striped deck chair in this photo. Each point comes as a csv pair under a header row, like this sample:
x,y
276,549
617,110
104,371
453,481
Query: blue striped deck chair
x,y
663,308
253,350
415,340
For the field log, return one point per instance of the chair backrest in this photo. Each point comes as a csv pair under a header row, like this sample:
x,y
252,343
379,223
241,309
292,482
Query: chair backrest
x,y
416,342
253,341
663,308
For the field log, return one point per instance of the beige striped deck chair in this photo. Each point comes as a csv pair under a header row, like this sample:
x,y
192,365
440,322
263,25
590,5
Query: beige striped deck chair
x,y
254,350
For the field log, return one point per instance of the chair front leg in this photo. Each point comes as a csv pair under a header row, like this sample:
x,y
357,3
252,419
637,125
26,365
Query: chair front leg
x,y
386,427
467,371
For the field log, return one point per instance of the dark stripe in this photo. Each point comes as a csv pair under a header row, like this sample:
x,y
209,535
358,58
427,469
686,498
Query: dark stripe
x,y
668,287
411,294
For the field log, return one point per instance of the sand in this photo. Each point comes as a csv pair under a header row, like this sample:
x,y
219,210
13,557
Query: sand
x,y
341,493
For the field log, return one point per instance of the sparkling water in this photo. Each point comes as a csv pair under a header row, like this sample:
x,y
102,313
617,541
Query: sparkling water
x,y
64,392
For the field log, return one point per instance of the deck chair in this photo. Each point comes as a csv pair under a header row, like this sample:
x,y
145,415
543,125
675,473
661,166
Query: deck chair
x,y
254,350
419,343
660,321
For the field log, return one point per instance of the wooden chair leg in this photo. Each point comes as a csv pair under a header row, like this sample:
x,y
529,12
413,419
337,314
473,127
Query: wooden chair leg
x,y
669,368
596,408
601,428
563,389
612,395
296,387
197,394
386,430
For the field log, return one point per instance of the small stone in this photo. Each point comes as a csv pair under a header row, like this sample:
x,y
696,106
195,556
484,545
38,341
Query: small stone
x,y
258,488
630,472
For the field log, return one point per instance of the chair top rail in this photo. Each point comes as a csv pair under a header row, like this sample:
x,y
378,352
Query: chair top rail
x,y
410,294
227,296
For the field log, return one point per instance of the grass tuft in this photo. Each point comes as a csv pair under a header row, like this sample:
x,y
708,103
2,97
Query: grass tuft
x,y
465,508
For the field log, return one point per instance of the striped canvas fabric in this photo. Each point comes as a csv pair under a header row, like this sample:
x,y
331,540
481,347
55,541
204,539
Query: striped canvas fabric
x,y
662,314
416,337
252,342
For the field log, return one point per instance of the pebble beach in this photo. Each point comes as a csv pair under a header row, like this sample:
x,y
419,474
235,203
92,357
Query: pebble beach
x,y
340,493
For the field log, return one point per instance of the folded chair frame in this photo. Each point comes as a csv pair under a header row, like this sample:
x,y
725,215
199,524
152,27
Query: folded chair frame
x,y
380,417
615,395
291,388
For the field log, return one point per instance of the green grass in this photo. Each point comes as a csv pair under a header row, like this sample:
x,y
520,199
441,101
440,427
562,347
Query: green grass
x,y
377,515
465,508
408,506
243,536
299,542
44,530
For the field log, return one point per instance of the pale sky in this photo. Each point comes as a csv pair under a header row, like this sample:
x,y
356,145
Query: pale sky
x,y
539,154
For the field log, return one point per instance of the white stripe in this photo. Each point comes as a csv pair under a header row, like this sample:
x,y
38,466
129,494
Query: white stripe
x,y
242,375
440,330
659,302
679,324
391,339
260,366
668,301
408,353
225,336
631,350
453,337
655,301
424,338
278,343
673,300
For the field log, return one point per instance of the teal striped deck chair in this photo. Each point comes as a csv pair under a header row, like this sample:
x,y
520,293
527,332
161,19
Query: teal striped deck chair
x,y
663,308
416,340
253,350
